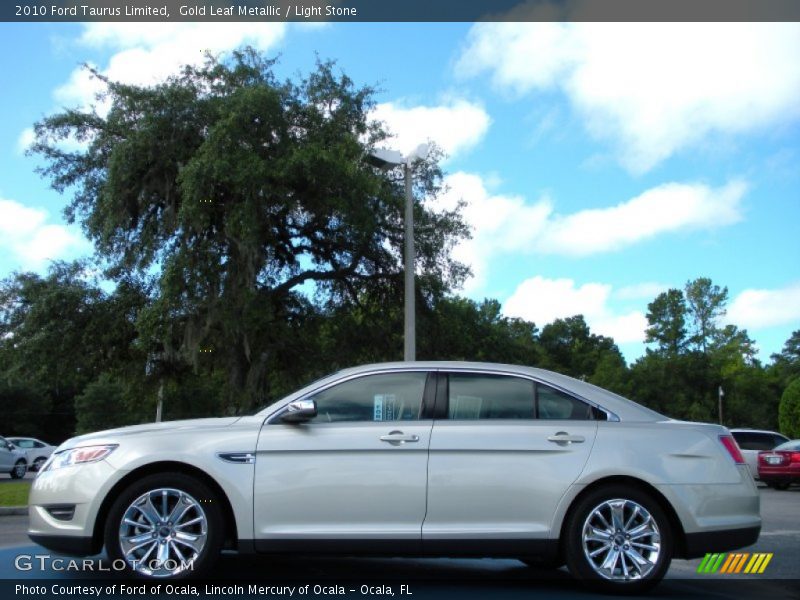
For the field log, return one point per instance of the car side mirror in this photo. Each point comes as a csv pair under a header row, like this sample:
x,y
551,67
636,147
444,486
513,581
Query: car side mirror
x,y
300,411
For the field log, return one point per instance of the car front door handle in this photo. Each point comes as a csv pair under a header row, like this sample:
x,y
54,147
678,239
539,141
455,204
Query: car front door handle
x,y
563,438
398,437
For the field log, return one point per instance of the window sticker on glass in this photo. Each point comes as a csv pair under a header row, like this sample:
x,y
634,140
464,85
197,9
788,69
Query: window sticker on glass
x,y
385,407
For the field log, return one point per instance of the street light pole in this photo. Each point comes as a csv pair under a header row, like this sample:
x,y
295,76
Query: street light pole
x,y
410,337
389,159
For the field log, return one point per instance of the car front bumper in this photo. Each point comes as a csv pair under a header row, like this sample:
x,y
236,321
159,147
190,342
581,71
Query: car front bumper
x,y
63,506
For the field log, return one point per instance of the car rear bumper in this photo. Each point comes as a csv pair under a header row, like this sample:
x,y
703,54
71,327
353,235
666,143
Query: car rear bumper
x,y
779,473
699,544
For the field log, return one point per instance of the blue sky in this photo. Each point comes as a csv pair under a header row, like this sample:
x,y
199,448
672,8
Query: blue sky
x,y
601,163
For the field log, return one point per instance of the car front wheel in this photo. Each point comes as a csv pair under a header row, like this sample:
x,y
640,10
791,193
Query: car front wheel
x,y
618,538
19,470
167,525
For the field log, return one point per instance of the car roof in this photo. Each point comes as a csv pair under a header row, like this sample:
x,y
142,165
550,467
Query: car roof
x,y
622,407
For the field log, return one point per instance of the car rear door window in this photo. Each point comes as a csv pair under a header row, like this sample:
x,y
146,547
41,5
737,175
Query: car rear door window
x,y
555,404
486,396
478,396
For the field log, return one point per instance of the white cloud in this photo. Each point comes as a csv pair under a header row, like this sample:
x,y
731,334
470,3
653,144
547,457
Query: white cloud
x,y
543,300
505,224
25,139
455,126
758,308
25,234
651,89
499,223
146,53
668,207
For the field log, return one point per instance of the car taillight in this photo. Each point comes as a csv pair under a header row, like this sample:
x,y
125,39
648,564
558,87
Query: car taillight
x,y
795,457
733,448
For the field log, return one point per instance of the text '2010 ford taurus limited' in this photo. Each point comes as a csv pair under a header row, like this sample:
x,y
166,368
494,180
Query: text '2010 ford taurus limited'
x,y
409,459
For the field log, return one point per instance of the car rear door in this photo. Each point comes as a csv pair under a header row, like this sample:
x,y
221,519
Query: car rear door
x,y
502,455
353,478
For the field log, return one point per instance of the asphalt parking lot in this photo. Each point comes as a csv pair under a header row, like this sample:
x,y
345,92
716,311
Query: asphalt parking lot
x,y
462,578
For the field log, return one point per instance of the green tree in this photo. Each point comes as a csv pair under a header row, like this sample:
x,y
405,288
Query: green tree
x,y
786,364
749,401
462,329
706,304
244,194
789,414
60,332
25,409
666,322
102,405
568,346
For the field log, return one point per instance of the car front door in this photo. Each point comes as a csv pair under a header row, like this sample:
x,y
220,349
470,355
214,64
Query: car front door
x,y
353,477
6,456
502,455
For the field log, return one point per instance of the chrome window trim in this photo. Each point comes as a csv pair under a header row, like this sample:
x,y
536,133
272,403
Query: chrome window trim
x,y
284,408
610,416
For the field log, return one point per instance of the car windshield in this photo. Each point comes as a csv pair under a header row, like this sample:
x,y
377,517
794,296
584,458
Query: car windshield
x,y
792,446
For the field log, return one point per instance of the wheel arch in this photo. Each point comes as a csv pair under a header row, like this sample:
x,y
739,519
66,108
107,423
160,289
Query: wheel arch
x,y
679,535
231,535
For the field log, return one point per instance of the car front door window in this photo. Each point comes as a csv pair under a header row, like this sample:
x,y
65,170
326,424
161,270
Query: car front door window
x,y
376,398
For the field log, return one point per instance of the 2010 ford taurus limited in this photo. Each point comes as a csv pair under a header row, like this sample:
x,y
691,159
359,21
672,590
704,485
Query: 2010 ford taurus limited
x,y
409,459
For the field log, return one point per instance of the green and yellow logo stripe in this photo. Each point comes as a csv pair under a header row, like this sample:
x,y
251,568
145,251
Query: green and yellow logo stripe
x,y
740,562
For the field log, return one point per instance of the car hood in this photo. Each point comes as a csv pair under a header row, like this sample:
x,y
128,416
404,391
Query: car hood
x,y
166,427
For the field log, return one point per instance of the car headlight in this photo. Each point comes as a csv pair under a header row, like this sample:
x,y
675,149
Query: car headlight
x,y
78,456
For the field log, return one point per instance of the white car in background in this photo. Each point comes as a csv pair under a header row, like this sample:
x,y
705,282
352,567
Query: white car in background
x,y
12,460
36,451
753,441
409,459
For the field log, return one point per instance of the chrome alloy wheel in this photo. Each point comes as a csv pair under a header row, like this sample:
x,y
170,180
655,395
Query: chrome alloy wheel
x,y
19,470
162,532
621,540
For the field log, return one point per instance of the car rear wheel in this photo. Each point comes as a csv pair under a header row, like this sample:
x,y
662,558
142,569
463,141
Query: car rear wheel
x,y
19,470
167,525
618,538
780,485
37,464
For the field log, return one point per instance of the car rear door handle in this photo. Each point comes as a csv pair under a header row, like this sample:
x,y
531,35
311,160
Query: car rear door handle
x,y
563,438
398,437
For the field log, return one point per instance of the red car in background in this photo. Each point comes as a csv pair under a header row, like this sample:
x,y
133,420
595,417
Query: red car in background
x,y
780,467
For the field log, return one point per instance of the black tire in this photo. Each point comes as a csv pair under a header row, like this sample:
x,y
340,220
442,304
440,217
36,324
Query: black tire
x,y
37,464
181,488
19,470
781,485
613,580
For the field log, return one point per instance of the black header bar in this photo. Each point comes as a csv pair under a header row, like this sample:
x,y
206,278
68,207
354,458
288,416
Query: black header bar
x,y
400,10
